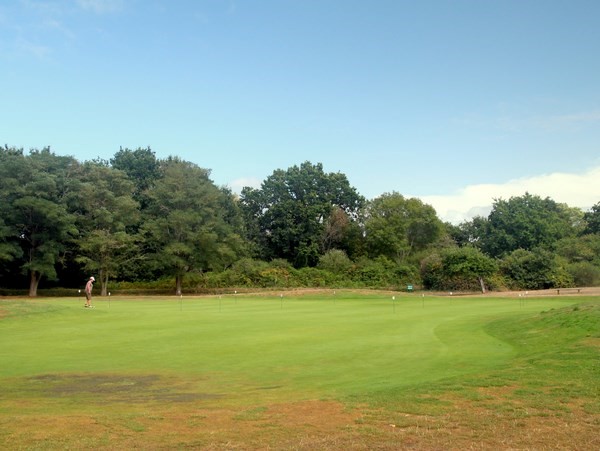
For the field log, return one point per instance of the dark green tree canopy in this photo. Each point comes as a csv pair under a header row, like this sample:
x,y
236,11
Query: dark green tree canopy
x,y
534,270
141,166
137,219
12,165
37,190
458,268
106,211
584,248
397,227
525,222
187,227
468,232
592,219
287,215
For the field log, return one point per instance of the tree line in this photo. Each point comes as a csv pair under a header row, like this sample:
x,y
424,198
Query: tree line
x,y
140,220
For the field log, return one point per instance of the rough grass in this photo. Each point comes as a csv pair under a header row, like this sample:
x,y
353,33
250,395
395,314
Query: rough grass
x,y
324,371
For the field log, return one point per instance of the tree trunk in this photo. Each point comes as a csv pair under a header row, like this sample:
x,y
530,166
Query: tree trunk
x,y
482,284
34,280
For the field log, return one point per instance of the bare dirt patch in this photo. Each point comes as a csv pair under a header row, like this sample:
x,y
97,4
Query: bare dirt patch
x,y
109,388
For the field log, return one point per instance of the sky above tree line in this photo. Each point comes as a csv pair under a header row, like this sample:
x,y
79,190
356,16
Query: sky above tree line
x,y
454,102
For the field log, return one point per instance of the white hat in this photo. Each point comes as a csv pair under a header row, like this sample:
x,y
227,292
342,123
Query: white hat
x,y
92,279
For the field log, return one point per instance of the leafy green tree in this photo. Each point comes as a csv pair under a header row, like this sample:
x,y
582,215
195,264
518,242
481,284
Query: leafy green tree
x,y
9,250
536,269
297,213
12,163
141,166
186,228
432,272
583,248
335,261
397,227
585,274
592,219
37,190
384,272
458,268
583,256
526,222
107,252
468,263
468,233
106,212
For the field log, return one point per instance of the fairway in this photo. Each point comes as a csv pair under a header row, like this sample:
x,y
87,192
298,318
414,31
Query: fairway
x,y
133,366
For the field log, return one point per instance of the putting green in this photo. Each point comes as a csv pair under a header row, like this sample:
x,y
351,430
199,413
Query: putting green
x,y
299,347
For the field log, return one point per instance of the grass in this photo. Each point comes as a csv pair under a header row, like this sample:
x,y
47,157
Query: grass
x,y
297,372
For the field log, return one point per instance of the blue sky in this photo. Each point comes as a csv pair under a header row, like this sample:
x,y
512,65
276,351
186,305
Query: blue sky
x,y
455,102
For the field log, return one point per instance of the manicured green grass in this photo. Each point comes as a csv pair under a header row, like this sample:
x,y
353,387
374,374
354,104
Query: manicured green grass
x,y
402,355
313,346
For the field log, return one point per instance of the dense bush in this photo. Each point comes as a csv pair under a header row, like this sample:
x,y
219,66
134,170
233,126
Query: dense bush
x,y
249,274
458,269
335,261
584,274
535,270
382,272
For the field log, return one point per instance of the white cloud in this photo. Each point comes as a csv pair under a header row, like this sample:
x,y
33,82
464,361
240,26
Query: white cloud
x,y
237,185
575,190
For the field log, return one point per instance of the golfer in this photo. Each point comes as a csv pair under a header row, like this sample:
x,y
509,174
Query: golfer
x,y
88,291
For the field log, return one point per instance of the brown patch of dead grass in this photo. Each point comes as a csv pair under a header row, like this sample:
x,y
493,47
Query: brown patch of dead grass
x,y
309,425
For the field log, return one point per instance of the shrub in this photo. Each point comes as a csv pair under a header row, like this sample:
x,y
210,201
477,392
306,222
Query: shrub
x,y
313,277
384,273
274,277
535,270
584,274
335,261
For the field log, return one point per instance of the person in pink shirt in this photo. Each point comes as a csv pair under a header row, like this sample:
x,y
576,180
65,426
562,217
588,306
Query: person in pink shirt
x,y
88,291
